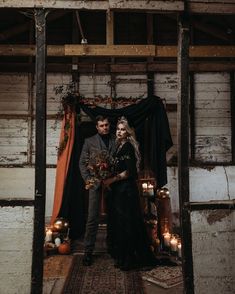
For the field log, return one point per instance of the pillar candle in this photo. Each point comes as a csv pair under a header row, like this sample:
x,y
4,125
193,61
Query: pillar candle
x,y
48,236
173,243
167,237
179,250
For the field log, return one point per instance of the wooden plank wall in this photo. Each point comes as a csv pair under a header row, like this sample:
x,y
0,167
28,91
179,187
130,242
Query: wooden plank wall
x,y
165,86
16,119
212,112
213,117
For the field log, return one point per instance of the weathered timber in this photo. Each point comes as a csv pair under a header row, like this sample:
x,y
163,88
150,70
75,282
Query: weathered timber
x,y
232,101
150,75
118,50
109,28
16,202
121,68
219,8
192,116
40,156
193,206
138,5
183,151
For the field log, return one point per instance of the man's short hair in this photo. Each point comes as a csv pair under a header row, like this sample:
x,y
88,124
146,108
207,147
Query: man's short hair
x,y
100,118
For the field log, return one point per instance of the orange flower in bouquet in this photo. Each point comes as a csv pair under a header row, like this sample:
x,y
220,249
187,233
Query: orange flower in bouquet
x,y
100,165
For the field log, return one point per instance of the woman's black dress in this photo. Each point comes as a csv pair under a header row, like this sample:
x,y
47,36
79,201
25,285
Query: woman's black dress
x,y
130,244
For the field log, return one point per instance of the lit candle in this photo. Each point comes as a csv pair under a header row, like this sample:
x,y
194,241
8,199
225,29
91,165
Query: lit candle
x,y
179,250
167,238
150,190
48,235
174,243
144,186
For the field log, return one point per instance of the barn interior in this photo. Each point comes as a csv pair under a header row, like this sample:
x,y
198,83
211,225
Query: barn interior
x,y
180,51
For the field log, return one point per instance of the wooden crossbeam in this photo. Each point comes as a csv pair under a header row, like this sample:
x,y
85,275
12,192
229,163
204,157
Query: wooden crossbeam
x,y
133,68
137,5
193,6
220,7
118,50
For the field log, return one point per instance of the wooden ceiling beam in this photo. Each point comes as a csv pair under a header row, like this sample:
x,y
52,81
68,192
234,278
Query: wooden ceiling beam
x,y
138,5
118,51
131,68
193,6
215,7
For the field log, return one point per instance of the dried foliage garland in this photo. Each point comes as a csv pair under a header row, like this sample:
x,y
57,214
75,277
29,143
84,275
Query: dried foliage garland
x,y
69,100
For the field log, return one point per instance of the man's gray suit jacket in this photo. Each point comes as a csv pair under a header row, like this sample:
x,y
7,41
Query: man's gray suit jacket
x,y
93,145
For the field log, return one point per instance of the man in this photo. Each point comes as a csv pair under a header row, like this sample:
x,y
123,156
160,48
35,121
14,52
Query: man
x,y
103,140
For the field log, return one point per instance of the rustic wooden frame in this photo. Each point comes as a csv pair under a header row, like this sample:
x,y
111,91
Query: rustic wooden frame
x,y
183,152
40,154
132,68
232,99
70,50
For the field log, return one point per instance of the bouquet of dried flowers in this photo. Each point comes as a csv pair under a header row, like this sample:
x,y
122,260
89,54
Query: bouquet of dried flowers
x,y
101,166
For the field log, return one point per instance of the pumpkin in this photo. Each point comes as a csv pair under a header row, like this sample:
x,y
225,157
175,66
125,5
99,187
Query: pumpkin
x,y
64,248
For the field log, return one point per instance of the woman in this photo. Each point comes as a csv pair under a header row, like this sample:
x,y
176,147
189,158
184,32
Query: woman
x,y
131,247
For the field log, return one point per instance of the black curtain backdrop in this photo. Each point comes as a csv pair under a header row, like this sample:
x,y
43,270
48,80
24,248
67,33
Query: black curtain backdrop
x,y
149,119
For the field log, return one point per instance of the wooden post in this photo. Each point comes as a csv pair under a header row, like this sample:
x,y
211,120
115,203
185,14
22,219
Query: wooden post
x,y
75,59
30,99
192,116
183,151
110,41
232,99
150,75
109,28
40,153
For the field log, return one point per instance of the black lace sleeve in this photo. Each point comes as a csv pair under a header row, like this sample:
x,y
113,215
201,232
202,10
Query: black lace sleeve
x,y
128,160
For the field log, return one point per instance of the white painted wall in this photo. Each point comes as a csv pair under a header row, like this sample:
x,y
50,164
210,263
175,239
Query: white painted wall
x,y
16,231
213,251
205,185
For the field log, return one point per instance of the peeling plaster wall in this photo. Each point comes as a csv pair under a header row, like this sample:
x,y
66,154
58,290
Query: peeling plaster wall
x,y
16,231
206,185
217,183
213,241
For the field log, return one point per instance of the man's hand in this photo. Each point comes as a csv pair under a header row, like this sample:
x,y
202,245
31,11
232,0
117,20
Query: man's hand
x,y
108,182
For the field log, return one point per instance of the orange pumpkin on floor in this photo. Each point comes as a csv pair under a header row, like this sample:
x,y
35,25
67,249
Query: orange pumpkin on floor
x,y
64,248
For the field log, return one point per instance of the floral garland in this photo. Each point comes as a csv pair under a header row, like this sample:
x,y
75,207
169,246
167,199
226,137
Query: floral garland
x,y
64,142
70,100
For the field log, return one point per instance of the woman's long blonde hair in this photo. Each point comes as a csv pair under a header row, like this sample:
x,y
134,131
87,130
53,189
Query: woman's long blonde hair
x,y
131,138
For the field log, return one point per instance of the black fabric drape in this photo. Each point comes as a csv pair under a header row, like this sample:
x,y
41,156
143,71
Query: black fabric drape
x,y
150,122
73,206
158,132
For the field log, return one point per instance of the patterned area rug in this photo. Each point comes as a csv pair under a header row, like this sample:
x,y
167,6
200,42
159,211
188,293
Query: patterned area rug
x,y
165,276
101,278
57,266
